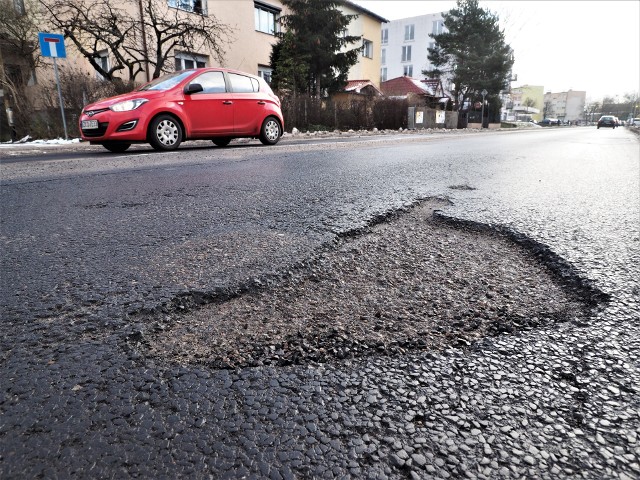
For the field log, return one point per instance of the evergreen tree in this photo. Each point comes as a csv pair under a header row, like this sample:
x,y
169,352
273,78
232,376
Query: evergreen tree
x,y
312,55
290,71
472,53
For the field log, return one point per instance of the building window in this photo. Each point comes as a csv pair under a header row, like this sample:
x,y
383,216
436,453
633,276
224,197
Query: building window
x,y
194,6
185,61
385,36
265,73
383,59
14,74
409,31
383,74
406,53
408,70
266,18
102,59
438,27
367,48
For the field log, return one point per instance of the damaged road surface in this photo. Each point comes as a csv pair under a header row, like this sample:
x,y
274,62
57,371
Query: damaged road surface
x,y
460,305
409,283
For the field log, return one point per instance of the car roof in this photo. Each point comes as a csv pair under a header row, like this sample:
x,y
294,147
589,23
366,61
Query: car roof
x,y
222,69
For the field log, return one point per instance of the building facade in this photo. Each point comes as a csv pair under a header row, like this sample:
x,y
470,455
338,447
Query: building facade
x,y
367,25
252,25
566,106
405,43
524,103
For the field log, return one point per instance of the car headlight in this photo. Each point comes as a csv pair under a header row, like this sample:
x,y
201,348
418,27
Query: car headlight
x,y
128,105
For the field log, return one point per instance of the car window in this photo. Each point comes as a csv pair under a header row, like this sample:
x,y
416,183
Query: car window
x,y
243,84
168,81
212,82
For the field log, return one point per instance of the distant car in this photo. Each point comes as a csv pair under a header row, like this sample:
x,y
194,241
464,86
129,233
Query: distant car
x,y
205,103
546,122
634,122
607,121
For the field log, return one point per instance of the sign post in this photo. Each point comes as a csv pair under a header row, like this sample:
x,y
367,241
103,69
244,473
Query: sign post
x,y
52,45
483,93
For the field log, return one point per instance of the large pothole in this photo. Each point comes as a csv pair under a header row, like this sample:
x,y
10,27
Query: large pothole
x,y
412,282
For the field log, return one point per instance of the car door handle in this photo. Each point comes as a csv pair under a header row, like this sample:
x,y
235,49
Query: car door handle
x,y
262,103
227,102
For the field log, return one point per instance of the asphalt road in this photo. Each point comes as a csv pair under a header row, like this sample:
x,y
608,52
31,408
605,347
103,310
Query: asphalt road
x,y
92,241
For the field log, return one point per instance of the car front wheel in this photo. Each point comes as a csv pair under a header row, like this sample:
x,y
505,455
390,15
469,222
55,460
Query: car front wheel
x,y
270,132
165,133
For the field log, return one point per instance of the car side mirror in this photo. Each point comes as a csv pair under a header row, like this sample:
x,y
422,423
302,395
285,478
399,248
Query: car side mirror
x,y
193,88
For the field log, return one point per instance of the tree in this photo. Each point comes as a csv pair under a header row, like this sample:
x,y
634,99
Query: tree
x,y
472,53
19,32
592,109
632,101
312,55
548,109
135,42
290,72
529,102
18,58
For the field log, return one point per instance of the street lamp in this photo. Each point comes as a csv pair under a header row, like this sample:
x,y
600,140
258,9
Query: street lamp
x,y
483,93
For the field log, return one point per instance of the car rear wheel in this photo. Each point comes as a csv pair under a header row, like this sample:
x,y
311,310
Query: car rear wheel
x,y
270,132
165,133
221,142
116,147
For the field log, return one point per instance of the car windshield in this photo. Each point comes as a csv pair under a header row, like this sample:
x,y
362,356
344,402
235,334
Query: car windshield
x,y
167,82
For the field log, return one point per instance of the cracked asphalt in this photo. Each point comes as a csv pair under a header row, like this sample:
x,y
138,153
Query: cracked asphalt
x,y
151,306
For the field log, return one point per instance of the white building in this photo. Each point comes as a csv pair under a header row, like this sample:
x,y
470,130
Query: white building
x,y
566,106
405,43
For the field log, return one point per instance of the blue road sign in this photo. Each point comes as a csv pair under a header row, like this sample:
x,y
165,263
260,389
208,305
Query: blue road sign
x,y
52,45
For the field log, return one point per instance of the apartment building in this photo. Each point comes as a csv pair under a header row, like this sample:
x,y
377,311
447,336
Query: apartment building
x,y
253,26
566,106
405,43
524,103
367,25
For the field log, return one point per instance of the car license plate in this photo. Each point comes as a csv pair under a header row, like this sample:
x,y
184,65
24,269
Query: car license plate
x,y
89,124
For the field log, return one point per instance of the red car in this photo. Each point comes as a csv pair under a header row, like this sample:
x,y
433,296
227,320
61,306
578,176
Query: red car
x,y
204,103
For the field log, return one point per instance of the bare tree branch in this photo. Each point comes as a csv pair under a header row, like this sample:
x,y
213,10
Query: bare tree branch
x,y
97,25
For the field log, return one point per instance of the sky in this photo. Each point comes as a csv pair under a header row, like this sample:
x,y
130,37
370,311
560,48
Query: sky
x,y
588,45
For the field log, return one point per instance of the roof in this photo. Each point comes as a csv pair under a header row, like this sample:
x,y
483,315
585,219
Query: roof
x,y
360,9
357,85
402,86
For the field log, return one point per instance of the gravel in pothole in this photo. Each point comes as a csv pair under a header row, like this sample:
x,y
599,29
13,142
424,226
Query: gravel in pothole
x,y
410,283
